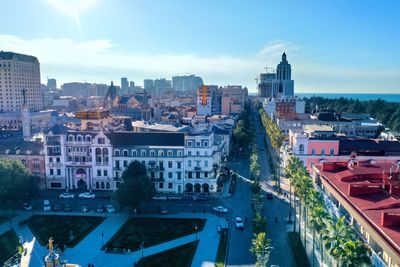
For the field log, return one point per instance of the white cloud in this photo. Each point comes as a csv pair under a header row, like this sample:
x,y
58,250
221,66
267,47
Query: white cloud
x,y
99,61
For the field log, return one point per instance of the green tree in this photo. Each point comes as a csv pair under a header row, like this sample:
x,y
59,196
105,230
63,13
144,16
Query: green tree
x,y
259,223
16,183
290,170
136,186
261,247
342,244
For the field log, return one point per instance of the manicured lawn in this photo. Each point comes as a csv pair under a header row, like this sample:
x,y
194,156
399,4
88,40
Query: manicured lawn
x,y
181,256
60,227
9,244
299,253
3,219
221,252
152,231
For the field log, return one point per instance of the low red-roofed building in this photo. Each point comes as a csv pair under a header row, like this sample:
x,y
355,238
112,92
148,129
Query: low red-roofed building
x,y
368,194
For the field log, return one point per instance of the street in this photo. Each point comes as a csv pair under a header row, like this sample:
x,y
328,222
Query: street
x,y
240,241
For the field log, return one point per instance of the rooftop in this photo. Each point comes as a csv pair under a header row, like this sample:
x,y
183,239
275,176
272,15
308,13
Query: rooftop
x,y
20,57
20,147
318,128
146,139
373,190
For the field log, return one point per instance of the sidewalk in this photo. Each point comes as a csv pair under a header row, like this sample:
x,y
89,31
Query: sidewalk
x,y
88,250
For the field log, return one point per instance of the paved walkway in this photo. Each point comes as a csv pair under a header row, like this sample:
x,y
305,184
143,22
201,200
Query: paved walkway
x,y
88,250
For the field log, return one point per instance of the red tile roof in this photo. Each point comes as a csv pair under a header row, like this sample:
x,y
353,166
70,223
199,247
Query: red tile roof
x,y
370,205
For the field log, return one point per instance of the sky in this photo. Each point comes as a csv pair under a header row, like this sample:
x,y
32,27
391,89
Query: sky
x,y
336,46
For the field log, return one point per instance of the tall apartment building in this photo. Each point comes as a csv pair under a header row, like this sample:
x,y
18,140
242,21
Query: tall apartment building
x,y
279,83
17,72
186,83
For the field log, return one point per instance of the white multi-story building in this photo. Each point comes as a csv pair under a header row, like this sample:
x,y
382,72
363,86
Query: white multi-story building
x,y
175,162
19,72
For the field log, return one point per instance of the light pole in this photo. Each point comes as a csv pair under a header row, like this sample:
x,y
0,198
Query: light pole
x,y
102,239
195,228
142,247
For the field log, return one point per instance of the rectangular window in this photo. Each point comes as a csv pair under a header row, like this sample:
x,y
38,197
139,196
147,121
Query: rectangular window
x,y
189,163
169,164
51,171
206,163
198,175
58,171
190,175
205,174
332,151
323,152
313,151
170,175
153,175
161,175
125,163
170,185
98,172
179,175
36,165
198,144
105,173
161,185
178,165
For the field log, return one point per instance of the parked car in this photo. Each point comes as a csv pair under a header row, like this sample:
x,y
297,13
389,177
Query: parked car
x,y
100,209
270,196
239,223
110,208
87,195
162,209
67,208
174,198
57,207
46,205
199,198
26,206
159,197
66,195
85,208
220,209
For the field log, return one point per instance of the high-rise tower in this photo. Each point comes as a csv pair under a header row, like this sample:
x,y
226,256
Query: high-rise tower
x,y
25,118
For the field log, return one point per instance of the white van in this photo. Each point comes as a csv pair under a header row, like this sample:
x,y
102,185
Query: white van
x,y
46,205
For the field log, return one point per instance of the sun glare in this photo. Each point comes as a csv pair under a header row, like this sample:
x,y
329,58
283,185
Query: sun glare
x,y
72,8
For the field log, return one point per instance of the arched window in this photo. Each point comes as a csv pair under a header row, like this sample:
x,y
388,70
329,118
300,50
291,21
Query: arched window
x,y
152,153
70,138
79,138
97,185
143,153
169,153
116,152
23,162
134,153
161,153
107,185
105,152
301,149
88,138
102,185
125,152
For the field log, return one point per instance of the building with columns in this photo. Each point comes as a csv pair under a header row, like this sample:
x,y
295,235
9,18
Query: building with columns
x,y
176,162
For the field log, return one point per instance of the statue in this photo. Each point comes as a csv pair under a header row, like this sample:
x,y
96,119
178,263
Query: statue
x,y
23,91
51,244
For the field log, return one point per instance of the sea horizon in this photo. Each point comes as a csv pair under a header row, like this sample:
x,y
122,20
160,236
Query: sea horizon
x,y
361,97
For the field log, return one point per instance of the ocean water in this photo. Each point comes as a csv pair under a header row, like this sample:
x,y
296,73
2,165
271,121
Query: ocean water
x,y
361,97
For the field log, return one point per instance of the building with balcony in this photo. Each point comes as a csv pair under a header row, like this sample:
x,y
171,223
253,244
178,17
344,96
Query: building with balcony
x,y
320,143
367,194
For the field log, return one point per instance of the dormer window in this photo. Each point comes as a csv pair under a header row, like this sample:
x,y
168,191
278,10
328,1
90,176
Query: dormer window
x,y
88,138
70,138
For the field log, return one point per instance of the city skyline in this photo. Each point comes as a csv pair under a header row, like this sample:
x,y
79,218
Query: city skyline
x,y
224,43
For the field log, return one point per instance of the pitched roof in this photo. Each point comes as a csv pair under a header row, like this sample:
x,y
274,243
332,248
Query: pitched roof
x,y
24,147
58,129
146,139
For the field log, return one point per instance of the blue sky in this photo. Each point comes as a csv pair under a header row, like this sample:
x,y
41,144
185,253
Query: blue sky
x,y
333,46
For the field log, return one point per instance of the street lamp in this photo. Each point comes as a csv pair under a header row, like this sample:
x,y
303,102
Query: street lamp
x,y
195,228
142,247
102,239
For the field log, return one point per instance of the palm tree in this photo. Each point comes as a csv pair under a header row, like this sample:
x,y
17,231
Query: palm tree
x,y
353,254
317,215
261,247
290,170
